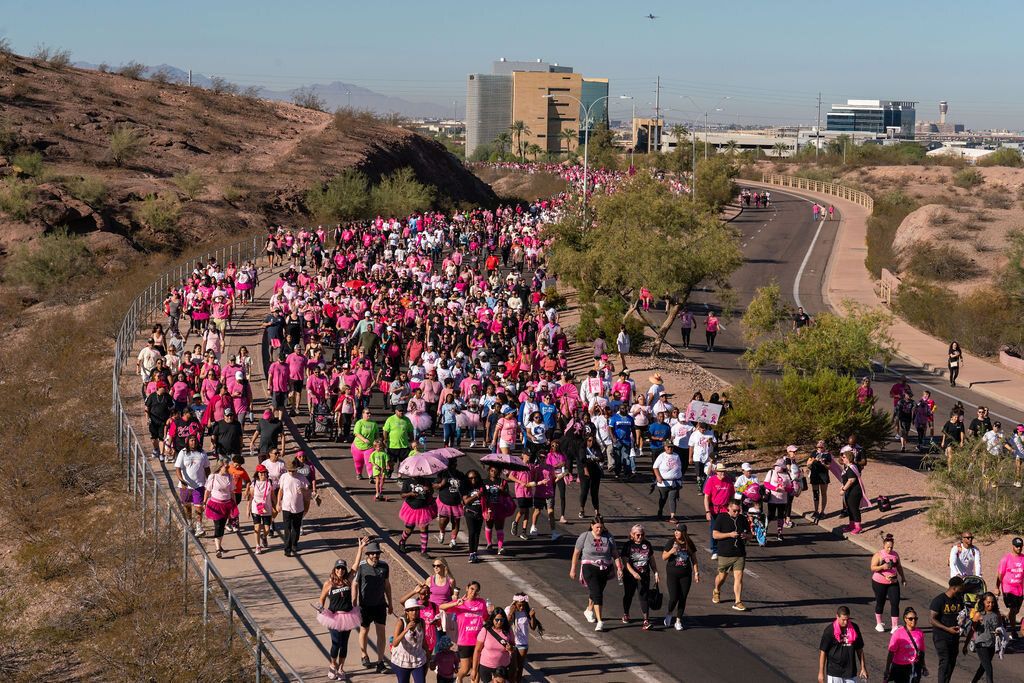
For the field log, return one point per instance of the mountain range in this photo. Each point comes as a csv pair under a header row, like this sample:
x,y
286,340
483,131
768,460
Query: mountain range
x,y
334,94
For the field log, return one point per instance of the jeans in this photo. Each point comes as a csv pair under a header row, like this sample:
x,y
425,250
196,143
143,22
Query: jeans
x,y
292,524
620,454
947,648
985,654
449,433
711,533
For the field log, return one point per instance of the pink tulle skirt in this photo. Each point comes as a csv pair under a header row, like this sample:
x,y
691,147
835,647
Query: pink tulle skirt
x,y
420,420
467,420
221,509
340,621
243,286
417,518
449,511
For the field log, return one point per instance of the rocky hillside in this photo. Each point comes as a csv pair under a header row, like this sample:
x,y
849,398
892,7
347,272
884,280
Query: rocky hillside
x,y
83,150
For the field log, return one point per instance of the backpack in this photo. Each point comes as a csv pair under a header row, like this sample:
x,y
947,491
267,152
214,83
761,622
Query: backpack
x,y
883,503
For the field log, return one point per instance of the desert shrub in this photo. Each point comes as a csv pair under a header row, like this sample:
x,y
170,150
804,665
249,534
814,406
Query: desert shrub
x,y
9,138
890,210
89,189
941,262
968,178
233,193
222,86
163,76
191,184
554,299
343,198
1005,156
804,408
28,163
347,117
133,70
394,118
940,218
251,92
125,144
5,47
400,194
103,67
606,316
967,496
16,198
158,213
53,261
998,198
307,98
821,174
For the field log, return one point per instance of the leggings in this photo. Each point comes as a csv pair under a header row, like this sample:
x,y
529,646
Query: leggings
x,y
679,580
852,500
361,460
890,592
641,586
953,374
711,339
474,523
418,675
985,653
560,485
339,643
590,485
686,336
671,495
218,527
596,580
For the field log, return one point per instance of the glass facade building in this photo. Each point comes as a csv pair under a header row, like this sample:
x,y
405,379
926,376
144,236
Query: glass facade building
x,y
592,90
895,119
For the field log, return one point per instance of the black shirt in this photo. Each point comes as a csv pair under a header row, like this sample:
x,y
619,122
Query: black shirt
x,y
681,560
854,490
423,497
453,487
841,655
953,432
948,609
732,547
270,433
820,468
638,554
801,319
979,426
340,598
228,437
160,407
371,583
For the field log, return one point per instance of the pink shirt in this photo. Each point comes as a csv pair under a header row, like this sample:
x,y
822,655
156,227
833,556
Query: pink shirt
x,y
278,376
293,489
317,387
720,492
471,615
1011,574
493,654
902,649
296,366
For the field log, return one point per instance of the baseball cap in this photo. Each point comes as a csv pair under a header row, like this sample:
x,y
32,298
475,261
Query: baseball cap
x,y
791,449
228,411
239,376
412,603
341,564
1018,542
746,467
681,527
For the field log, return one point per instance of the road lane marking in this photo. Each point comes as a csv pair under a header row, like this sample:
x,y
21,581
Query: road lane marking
x,y
807,257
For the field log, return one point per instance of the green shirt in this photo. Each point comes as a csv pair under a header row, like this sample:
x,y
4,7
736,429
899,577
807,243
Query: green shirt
x,y
365,434
398,431
379,460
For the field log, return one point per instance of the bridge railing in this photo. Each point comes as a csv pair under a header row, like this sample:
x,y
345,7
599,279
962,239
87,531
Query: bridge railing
x,y
161,510
834,189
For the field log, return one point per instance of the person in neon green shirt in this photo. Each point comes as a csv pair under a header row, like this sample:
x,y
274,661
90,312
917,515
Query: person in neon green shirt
x,y
365,433
398,435
380,463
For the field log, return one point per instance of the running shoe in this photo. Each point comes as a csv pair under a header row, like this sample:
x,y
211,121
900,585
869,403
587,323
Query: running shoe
x,y
473,559
1016,484
599,626
515,528
522,534
381,667
581,514
489,547
879,627
778,537
668,620
451,544
788,524
440,537
332,675
533,530
501,550
714,556
625,618
647,625
740,607
561,520
679,625
716,597
365,661
589,615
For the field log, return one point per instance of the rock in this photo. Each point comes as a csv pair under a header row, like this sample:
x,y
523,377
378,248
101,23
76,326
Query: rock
x,y
928,224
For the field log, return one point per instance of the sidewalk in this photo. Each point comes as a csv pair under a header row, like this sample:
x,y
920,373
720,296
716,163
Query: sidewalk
x,y
848,279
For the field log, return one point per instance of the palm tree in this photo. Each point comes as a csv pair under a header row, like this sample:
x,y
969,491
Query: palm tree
x,y
570,136
679,132
780,149
731,147
519,129
533,149
504,142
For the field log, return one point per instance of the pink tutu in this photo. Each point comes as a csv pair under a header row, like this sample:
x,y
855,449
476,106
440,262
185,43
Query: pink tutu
x,y
221,509
340,621
417,518
449,511
467,420
420,420
243,286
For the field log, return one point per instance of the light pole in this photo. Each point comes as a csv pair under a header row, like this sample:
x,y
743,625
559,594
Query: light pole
x,y
586,138
714,108
349,93
632,124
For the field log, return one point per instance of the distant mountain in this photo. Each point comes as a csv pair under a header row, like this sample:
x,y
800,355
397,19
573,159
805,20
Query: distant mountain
x,y
335,94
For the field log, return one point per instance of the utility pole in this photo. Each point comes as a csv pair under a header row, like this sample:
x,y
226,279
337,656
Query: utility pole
x,y
190,78
657,115
693,162
817,130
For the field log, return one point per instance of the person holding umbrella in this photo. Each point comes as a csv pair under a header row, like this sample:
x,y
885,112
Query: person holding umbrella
x,y
497,503
418,505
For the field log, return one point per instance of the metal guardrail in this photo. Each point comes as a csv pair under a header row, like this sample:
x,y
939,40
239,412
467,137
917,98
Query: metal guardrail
x,y
834,189
143,481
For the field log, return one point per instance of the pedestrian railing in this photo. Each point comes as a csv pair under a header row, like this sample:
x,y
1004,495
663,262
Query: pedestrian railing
x,y
161,511
834,189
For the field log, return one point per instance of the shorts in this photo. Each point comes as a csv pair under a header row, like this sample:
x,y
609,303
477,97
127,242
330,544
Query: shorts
x,y
487,674
504,444
1012,602
731,564
397,455
375,614
156,430
296,385
193,496
280,400
466,651
262,520
528,503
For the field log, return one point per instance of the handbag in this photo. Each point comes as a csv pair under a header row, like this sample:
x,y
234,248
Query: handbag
x,y
655,598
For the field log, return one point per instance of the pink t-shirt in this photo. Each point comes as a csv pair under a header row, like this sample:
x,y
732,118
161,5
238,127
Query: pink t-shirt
x,y
1011,574
471,615
902,649
720,491
317,387
296,366
278,376
493,654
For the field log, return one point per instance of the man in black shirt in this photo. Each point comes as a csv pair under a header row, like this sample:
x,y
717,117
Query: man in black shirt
x,y
952,436
944,611
981,424
731,530
841,649
269,432
801,319
372,594
159,408
227,435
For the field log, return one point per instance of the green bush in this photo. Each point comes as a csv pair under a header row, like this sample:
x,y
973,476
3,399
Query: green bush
x,y
28,163
159,214
1005,156
191,184
889,211
52,262
554,298
803,409
347,117
716,184
400,194
968,497
308,99
125,144
606,316
89,189
344,198
16,198
132,70
968,178
941,262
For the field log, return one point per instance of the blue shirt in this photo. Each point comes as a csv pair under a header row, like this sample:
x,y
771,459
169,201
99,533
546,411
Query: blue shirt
x,y
658,431
622,427
548,413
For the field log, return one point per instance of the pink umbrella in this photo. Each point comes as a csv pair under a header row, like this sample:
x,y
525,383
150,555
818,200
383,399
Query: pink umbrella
x,y
421,465
445,454
505,461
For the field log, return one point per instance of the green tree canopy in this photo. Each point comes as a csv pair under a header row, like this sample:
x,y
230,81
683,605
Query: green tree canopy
x,y
716,184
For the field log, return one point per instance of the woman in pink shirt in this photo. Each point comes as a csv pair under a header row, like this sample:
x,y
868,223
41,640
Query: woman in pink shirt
x,y
904,662
494,646
470,611
220,502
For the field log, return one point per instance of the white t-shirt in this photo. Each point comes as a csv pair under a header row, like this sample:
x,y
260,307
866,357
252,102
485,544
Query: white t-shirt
x,y
669,466
193,466
681,431
701,445
993,442
622,342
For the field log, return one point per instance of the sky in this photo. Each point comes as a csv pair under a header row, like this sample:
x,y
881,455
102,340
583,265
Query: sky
x,y
770,59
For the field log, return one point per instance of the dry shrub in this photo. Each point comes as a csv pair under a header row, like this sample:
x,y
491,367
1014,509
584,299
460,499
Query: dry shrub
x,y
346,118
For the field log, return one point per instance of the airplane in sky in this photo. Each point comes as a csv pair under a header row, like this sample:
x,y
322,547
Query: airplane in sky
x,y
651,17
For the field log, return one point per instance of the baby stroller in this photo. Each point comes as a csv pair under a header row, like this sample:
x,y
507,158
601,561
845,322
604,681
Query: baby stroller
x,y
974,588
322,423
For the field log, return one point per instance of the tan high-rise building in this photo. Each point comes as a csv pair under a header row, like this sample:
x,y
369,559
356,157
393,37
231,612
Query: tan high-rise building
x,y
546,117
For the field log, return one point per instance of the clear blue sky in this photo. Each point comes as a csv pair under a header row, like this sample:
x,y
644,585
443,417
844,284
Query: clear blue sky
x,y
771,58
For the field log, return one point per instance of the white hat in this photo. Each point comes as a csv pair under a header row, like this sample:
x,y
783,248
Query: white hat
x,y
412,603
846,449
239,376
746,467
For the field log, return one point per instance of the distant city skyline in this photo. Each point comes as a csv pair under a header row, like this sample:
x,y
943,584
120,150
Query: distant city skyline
x,y
770,59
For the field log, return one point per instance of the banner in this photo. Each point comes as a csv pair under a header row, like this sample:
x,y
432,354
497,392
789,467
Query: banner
x,y
699,411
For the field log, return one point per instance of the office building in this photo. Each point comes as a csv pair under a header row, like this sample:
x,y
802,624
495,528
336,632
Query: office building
x,y
517,91
893,119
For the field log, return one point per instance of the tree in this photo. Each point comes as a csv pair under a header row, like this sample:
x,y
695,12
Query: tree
x,y
716,185
601,149
781,148
570,136
519,129
503,142
644,236
307,98
533,149
730,147
345,197
400,194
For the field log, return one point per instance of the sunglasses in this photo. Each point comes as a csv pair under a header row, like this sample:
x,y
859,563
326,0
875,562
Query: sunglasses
x,y
438,566
968,538
910,618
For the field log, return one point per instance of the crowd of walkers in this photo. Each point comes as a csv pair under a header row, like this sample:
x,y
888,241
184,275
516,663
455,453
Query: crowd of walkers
x,y
392,334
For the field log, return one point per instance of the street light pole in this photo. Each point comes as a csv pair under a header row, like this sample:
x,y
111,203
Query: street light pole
x,y
632,123
586,139
706,111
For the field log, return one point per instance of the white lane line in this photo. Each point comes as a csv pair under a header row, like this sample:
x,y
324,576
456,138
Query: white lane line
x,y
612,652
807,257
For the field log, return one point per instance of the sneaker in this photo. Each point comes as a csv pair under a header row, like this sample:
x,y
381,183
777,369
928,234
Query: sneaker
x,y
522,534
440,537
679,625
489,547
716,597
625,618
561,520
472,444
1016,484
332,675
599,626
365,661
894,629
740,607
778,537
472,558
668,620
451,544
501,550
424,554
788,524
647,625
879,627
160,458
533,531
515,528
714,556
381,667
589,615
